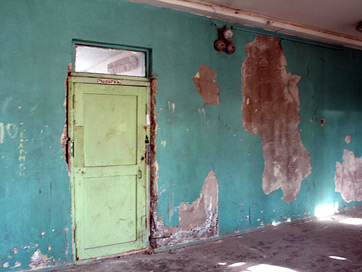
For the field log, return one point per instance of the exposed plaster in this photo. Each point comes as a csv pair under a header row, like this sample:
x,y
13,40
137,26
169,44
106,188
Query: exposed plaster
x,y
206,85
348,139
38,260
271,109
64,138
197,220
348,177
153,165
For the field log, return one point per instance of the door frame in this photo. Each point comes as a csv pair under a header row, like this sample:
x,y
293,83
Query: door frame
x,y
105,80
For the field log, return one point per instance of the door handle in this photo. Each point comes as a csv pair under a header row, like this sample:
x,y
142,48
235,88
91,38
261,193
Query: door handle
x,y
139,174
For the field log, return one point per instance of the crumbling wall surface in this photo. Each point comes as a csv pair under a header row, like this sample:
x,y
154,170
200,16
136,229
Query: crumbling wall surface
x,y
39,260
206,85
348,177
197,220
271,109
153,164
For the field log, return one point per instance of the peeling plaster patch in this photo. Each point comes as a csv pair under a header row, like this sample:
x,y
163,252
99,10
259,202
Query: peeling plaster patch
x,y
202,115
197,220
15,250
171,207
67,250
17,264
206,85
153,164
348,139
202,209
6,102
64,138
5,265
38,260
171,109
348,177
271,109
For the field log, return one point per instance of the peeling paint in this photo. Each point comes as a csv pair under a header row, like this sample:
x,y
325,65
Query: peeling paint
x,y
64,138
197,220
153,164
348,177
206,85
271,109
38,260
348,139
202,209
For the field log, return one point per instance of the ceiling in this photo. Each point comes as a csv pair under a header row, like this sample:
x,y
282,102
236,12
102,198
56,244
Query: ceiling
x,y
339,16
331,21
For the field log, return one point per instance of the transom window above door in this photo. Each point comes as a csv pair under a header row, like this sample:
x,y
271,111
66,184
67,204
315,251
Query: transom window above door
x,y
112,61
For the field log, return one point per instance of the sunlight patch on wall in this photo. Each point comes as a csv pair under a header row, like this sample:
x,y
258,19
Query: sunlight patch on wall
x,y
324,210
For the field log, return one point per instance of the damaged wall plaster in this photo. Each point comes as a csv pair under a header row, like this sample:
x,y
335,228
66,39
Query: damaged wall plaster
x,y
348,139
64,138
197,220
153,164
38,260
348,177
271,109
206,85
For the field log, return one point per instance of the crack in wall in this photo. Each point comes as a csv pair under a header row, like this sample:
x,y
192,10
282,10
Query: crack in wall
x,y
271,109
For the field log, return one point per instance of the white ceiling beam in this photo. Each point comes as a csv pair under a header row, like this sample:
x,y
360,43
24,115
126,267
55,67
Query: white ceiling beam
x,y
255,20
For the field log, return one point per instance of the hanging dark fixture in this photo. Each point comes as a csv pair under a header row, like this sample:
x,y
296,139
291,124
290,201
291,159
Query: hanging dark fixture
x,y
224,44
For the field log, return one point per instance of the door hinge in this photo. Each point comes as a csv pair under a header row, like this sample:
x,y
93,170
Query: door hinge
x,y
71,148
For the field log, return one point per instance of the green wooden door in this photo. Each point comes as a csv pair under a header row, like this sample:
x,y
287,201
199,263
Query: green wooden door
x,y
108,168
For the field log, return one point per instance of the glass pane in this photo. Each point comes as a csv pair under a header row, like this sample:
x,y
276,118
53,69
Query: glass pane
x,y
90,59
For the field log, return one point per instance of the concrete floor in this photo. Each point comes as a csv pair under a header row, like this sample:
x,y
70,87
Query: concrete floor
x,y
330,244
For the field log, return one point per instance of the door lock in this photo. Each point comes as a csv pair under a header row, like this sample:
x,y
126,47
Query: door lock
x,y
139,174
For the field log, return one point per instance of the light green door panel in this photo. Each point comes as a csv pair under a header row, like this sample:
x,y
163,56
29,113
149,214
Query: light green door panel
x,y
117,210
109,179
117,136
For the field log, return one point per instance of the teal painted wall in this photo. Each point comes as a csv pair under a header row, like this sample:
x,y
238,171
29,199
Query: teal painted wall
x,y
35,49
